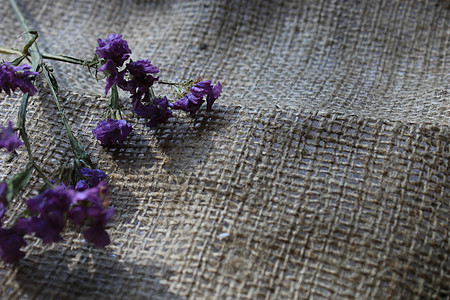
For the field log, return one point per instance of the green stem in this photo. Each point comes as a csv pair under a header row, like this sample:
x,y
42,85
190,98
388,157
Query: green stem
x,y
11,51
63,58
168,82
30,42
152,93
115,111
81,157
21,124
114,98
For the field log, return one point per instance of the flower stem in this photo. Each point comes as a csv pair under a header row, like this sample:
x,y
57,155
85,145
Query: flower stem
x,y
63,58
23,134
12,51
168,82
114,98
81,157
114,106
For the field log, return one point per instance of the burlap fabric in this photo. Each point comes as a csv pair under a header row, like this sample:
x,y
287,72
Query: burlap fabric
x,y
322,172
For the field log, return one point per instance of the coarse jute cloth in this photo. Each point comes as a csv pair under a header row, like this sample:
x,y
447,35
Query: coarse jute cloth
x,y
322,171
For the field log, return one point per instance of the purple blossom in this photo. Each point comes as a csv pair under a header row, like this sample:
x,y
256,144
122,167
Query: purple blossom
x,y
193,101
157,112
54,207
114,76
115,50
213,95
8,138
112,132
50,211
141,80
10,243
12,77
189,103
84,201
11,239
90,206
94,176
81,185
51,208
96,233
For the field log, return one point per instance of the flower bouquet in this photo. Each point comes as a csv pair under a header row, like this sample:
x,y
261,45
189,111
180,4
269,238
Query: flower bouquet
x,y
77,193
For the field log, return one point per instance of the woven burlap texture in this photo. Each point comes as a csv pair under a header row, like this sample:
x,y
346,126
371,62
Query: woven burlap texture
x,y
322,171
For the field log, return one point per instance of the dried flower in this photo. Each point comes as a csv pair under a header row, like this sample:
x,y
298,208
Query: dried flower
x,y
141,80
90,206
94,176
193,101
157,112
112,132
96,233
12,77
51,208
9,138
10,243
115,51
113,48
213,95
189,103
114,76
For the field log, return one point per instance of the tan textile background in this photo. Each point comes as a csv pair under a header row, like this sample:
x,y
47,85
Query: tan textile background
x,y
321,173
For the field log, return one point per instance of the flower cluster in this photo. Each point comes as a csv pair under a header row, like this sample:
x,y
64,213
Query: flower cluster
x,y
193,101
114,50
84,204
12,77
112,132
9,138
81,198
138,78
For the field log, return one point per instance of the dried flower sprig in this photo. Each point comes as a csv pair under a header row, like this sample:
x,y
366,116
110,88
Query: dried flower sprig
x,y
81,198
138,78
77,193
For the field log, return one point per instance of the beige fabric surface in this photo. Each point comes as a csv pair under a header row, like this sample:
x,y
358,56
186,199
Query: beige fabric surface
x,y
322,171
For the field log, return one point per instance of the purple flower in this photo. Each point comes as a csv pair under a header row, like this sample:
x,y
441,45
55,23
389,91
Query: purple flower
x,y
194,100
9,138
94,176
11,239
114,76
12,77
90,206
51,208
81,185
96,233
189,103
83,202
113,48
10,243
157,112
213,94
141,80
112,132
